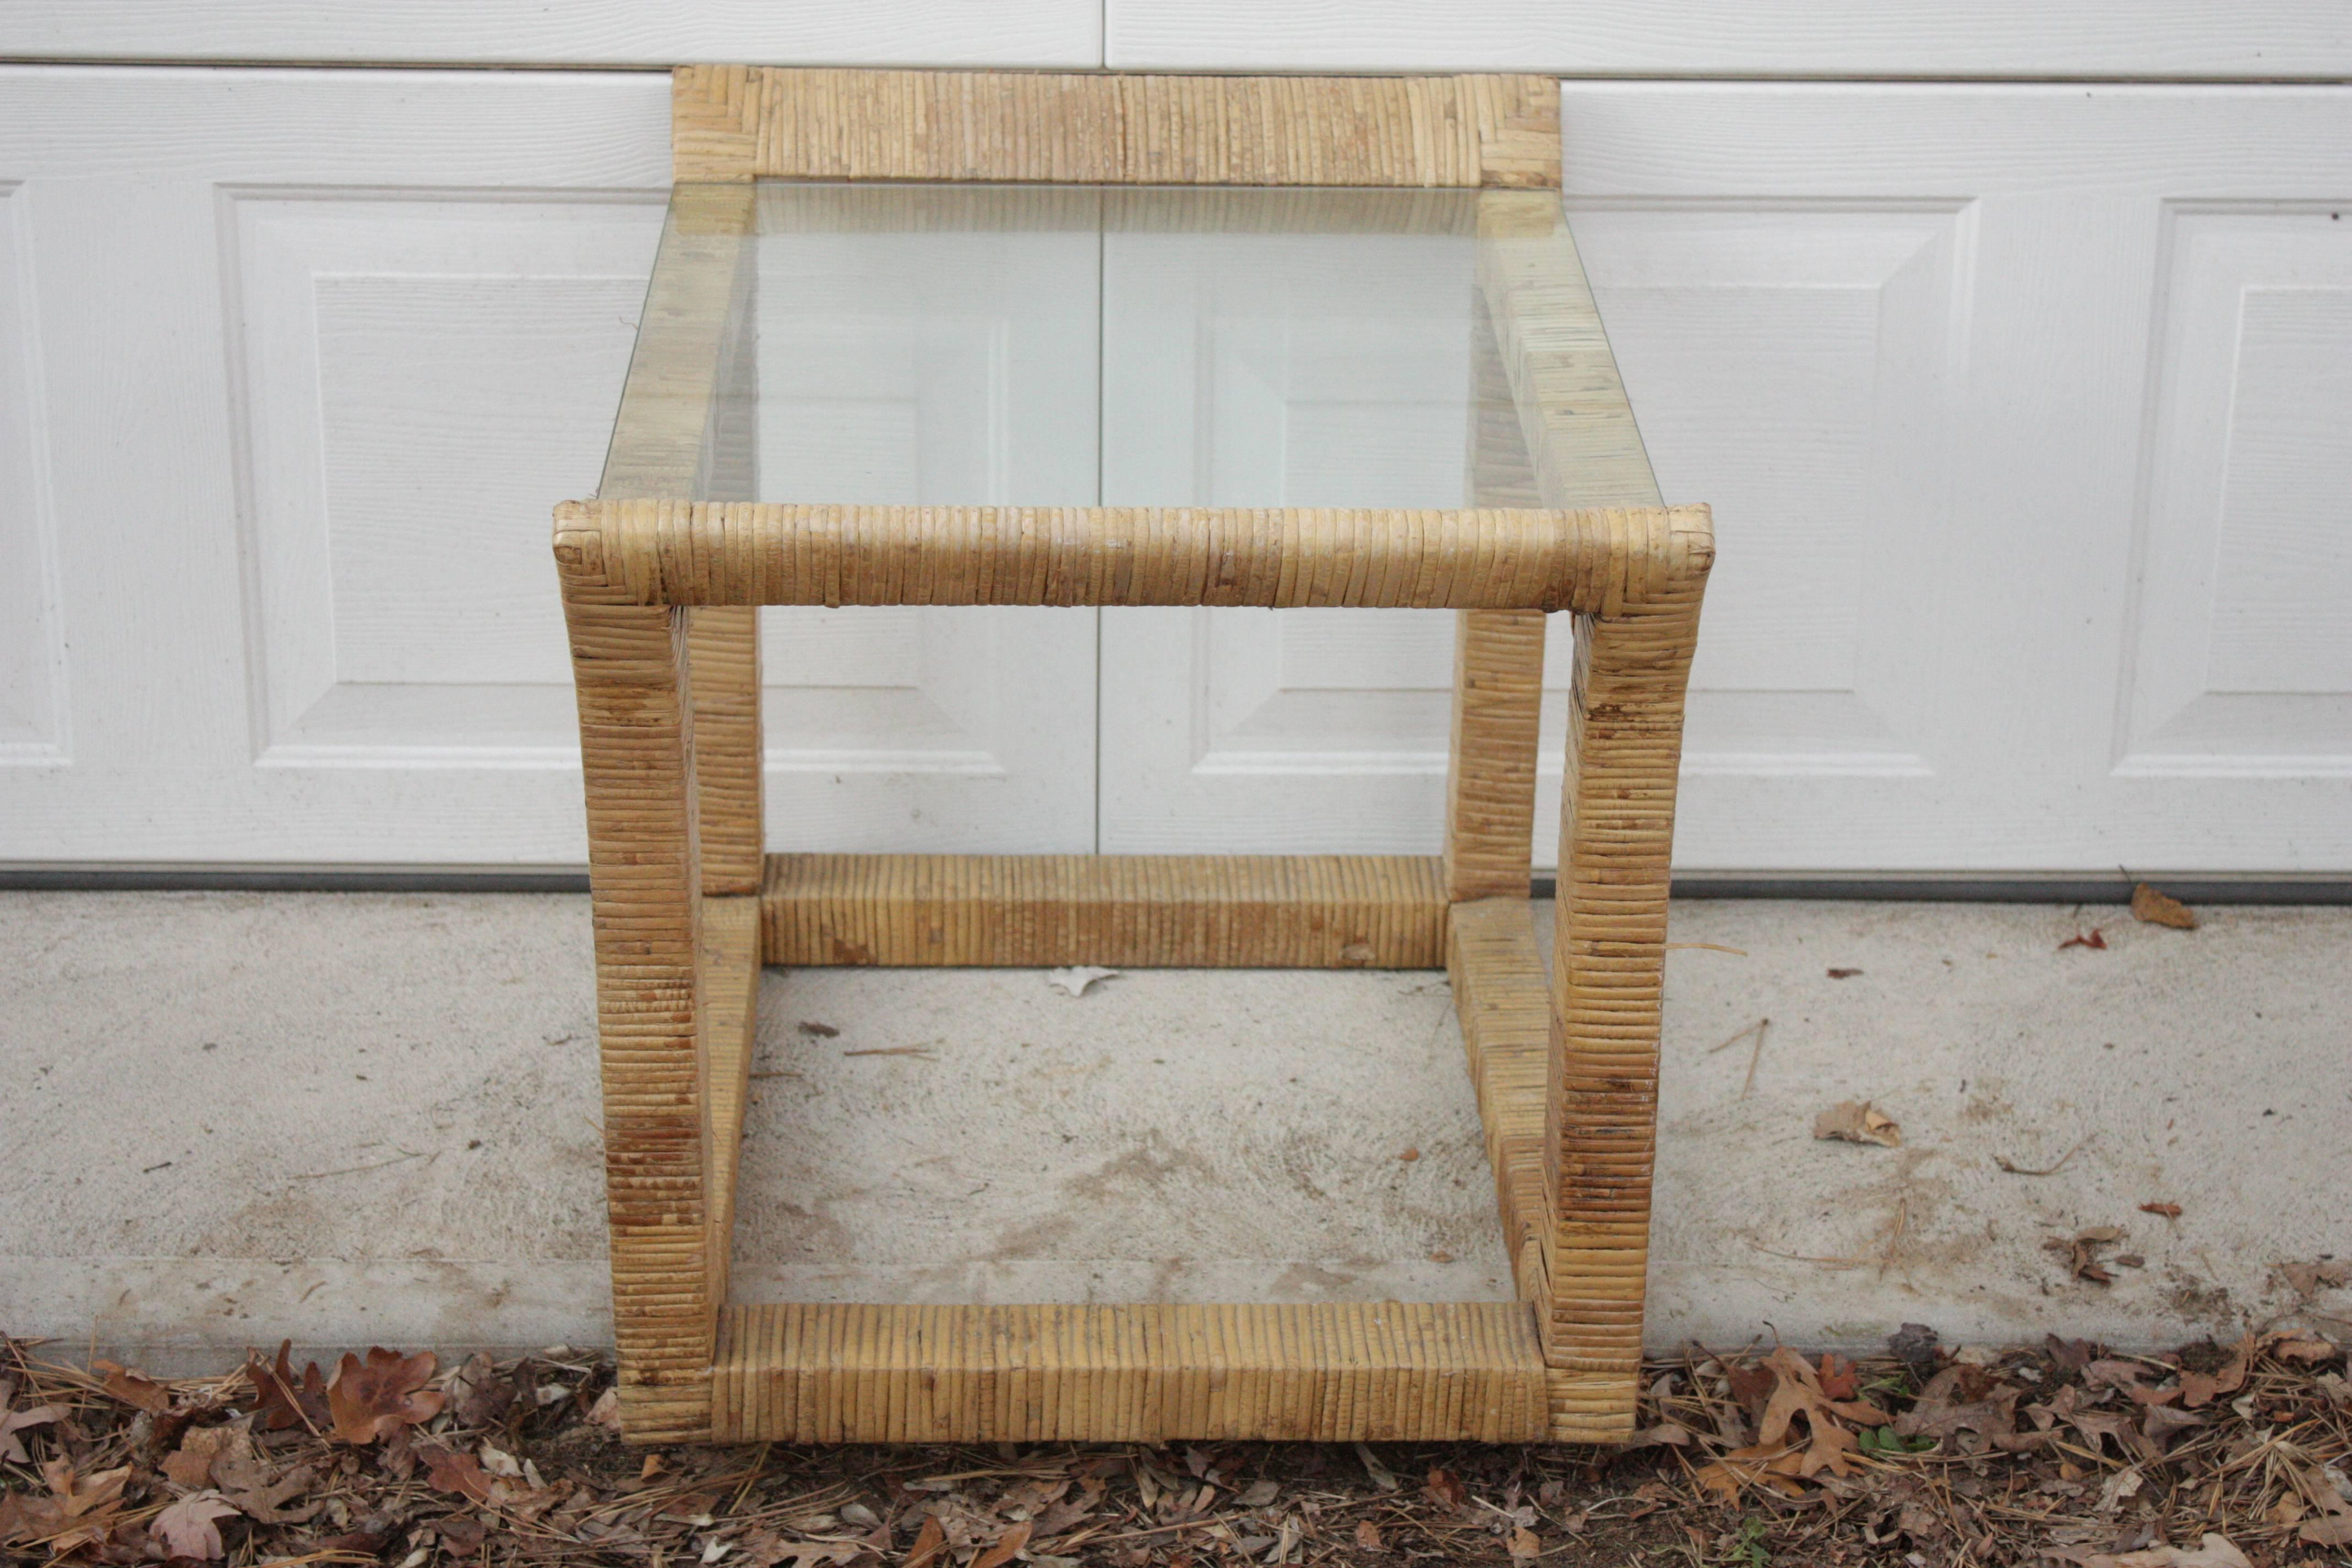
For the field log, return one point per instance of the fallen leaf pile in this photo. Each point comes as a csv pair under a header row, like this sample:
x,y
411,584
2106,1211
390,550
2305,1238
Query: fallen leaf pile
x,y
2210,1457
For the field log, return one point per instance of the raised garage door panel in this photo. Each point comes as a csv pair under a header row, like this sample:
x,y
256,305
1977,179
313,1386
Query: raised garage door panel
x,y
293,365
2021,410
2255,39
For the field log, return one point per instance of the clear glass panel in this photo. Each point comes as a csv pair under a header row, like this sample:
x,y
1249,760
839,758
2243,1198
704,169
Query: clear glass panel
x,y
1079,345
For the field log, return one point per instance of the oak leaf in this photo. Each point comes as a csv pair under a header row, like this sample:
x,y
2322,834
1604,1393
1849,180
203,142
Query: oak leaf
x,y
373,1399
190,1527
266,1500
76,1511
285,1402
1944,1408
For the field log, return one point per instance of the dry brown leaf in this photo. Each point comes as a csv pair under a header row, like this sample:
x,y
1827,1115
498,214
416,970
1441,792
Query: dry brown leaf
x,y
374,1398
462,1537
1368,1536
11,1450
1525,1546
2162,1424
2081,1252
2094,940
2308,1349
1008,1546
2065,1405
2214,1552
931,1545
77,1511
134,1388
2334,1531
190,1527
2157,909
1853,1121
1447,1487
457,1472
477,1394
2126,1377
83,1496
2198,1389
2310,1278
1943,1406
286,1401
2169,1211
266,1500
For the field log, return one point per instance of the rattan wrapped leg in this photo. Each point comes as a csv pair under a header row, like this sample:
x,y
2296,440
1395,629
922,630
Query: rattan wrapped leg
x,y
637,745
1607,984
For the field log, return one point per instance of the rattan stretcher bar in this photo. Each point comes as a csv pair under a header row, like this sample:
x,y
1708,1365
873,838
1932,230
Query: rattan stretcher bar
x,y
661,575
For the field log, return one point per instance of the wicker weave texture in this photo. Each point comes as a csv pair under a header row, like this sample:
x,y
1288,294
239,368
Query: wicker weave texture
x,y
1608,989
637,738
1490,776
743,123
1143,1372
1137,911
731,1004
1603,560
1504,1006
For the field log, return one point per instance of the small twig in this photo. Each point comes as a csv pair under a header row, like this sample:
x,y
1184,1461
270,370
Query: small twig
x,y
354,1170
1902,1218
2047,1170
1756,1056
1735,1039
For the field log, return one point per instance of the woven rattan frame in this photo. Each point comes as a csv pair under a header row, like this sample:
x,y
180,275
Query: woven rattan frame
x,y
660,595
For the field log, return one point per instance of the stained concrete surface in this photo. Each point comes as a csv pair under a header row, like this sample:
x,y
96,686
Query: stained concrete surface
x,y
231,1118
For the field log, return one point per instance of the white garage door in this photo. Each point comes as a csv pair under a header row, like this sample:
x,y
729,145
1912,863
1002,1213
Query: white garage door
x,y
2024,412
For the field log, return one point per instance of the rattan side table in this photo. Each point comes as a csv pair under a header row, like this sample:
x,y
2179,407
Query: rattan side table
x,y
661,577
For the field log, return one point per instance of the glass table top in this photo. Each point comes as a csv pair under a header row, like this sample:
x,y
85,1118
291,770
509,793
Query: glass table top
x,y
1122,346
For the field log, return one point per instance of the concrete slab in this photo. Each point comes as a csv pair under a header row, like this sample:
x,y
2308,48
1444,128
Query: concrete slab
x,y
233,1118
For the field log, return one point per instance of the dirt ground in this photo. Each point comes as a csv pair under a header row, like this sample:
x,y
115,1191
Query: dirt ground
x,y
2215,1455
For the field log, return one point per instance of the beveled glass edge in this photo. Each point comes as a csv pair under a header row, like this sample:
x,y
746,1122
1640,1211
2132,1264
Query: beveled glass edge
x,y
691,354
788,206
1582,444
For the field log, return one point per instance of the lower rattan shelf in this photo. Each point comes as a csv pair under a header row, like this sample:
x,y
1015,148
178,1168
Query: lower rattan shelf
x,y
1137,911
1130,1372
